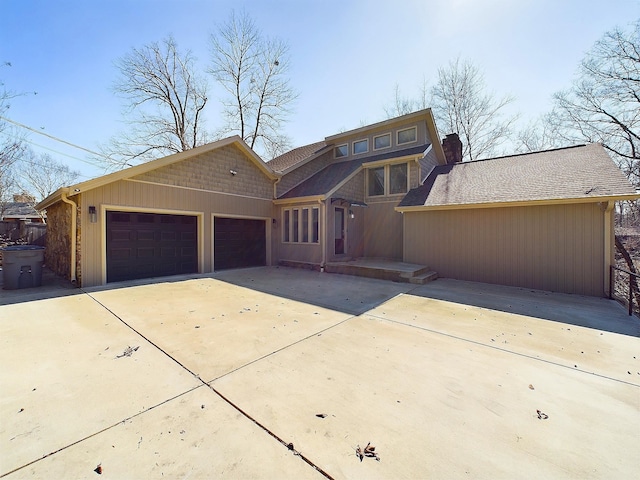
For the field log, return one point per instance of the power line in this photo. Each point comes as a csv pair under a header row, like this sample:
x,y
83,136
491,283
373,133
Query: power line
x,y
96,165
52,137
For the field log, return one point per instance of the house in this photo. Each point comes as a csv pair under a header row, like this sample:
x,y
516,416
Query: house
x,y
20,210
391,189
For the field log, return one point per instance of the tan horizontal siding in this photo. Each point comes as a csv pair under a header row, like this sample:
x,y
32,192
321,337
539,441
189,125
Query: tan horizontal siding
x,y
558,247
130,195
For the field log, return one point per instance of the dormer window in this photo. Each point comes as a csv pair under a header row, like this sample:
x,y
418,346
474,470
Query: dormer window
x,y
407,135
341,151
361,146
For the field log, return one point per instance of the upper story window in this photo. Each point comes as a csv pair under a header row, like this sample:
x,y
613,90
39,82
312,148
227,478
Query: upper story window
x,y
382,141
376,181
407,135
361,146
398,178
341,151
388,180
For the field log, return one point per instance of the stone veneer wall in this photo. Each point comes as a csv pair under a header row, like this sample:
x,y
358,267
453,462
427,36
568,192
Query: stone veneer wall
x,y
58,243
57,246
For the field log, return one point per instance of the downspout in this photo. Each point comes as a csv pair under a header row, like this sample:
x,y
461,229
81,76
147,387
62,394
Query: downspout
x,y
74,234
275,187
323,209
277,241
608,245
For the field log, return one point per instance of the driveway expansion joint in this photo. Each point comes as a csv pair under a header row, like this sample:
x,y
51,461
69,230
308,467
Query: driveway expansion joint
x,y
503,350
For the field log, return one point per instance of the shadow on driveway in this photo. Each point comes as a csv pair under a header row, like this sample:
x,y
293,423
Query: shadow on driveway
x,y
591,312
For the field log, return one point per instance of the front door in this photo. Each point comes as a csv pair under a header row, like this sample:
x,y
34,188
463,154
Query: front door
x,y
339,231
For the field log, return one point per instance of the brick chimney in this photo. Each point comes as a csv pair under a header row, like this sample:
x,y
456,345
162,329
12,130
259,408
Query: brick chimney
x,y
452,147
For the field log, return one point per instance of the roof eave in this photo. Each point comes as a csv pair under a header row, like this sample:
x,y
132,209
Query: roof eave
x,y
519,203
309,199
409,116
155,164
51,199
401,159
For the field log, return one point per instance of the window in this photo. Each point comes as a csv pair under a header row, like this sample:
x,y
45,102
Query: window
x,y
361,146
296,223
397,175
286,222
382,141
341,151
407,135
301,225
315,231
376,181
398,178
305,225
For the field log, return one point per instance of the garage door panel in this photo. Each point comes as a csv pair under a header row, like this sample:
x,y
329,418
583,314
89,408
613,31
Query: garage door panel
x,y
239,242
143,245
145,235
145,252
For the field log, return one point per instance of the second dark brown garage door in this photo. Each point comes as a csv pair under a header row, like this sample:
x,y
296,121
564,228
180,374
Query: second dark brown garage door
x,y
239,242
144,245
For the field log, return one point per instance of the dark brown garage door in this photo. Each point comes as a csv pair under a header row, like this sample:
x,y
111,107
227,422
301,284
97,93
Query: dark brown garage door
x,y
239,242
144,245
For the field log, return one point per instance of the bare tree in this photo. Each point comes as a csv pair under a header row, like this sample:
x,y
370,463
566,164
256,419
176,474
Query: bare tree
x,y
164,101
461,105
11,144
252,70
603,104
401,105
40,174
538,135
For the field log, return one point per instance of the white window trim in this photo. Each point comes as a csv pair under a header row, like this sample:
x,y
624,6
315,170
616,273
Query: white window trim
x,y
414,128
388,134
353,146
310,241
335,151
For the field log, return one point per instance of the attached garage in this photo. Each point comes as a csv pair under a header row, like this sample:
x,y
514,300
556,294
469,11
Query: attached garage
x,y
197,211
239,242
145,245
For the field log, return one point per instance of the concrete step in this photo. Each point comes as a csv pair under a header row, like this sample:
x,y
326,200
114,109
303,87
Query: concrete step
x,y
417,271
424,278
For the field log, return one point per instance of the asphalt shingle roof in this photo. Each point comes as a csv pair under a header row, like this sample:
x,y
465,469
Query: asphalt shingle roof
x,y
576,172
330,176
295,156
19,210
325,180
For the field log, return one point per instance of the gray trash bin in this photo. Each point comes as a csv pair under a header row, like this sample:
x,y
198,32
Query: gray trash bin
x,y
22,266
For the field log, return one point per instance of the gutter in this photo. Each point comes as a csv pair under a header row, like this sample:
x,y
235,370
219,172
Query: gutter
x,y
74,234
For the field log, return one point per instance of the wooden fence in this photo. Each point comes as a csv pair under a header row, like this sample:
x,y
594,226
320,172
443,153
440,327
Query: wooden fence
x,y
27,232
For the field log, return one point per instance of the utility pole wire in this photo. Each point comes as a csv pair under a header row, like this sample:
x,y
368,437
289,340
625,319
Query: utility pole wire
x,y
52,137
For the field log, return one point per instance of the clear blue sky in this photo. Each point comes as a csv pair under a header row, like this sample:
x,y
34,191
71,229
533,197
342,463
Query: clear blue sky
x,y
347,55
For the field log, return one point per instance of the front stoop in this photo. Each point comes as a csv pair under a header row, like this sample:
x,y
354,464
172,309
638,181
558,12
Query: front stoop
x,y
427,277
384,270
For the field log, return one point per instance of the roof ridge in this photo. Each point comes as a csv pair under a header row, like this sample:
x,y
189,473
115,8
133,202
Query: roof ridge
x,y
527,153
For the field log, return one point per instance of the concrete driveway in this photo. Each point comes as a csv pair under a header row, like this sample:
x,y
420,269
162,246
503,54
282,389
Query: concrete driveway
x,y
283,373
